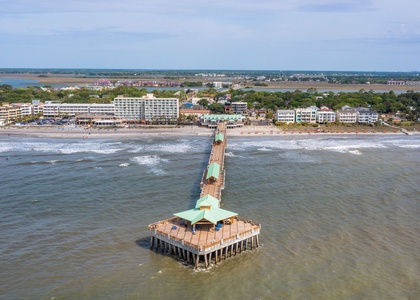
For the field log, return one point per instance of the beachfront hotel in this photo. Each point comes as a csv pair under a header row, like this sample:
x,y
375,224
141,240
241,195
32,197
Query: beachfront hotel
x,y
53,109
147,108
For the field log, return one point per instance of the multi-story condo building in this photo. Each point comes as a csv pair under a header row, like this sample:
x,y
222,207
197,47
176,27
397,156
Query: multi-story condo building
x,y
4,114
55,108
38,108
325,116
365,115
307,115
16,111
147,108
347,116
285,116
9,112
25,108
239,107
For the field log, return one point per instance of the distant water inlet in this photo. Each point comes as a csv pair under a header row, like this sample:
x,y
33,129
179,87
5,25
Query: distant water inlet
x,y
206,233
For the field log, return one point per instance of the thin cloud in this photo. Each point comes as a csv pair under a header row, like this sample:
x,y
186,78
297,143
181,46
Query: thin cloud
x,y
338,6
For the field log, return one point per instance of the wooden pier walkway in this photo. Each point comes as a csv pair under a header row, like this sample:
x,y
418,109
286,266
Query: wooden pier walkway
x,y
206,234
213,185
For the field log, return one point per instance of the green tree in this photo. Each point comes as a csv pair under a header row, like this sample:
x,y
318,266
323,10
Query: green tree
x,y
203,102
217,108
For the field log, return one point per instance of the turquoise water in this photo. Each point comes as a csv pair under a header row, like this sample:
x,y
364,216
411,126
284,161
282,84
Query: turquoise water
x,y
339,217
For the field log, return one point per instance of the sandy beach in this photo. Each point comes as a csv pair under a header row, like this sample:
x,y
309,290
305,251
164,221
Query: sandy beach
x,y
133,132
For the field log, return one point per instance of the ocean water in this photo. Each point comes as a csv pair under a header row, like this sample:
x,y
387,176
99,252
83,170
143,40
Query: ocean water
x,y
340,217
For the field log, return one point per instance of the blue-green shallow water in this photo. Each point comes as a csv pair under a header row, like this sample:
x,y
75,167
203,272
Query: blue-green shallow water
x,y
340,217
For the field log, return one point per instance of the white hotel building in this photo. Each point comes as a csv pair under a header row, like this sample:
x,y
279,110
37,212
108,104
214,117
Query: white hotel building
x,y
55,108
147,108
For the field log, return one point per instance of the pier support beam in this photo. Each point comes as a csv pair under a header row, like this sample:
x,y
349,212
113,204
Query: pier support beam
x,y
152,239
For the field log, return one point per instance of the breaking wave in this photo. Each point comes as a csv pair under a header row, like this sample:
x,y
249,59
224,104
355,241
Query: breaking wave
x,y
151,161
61,148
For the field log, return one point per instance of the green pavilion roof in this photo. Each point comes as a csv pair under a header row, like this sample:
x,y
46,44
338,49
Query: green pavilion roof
x,y
213,170
212,215
207,200
219,137
226,117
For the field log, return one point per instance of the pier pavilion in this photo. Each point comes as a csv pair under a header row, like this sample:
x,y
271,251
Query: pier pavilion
x,y
206,233
230,121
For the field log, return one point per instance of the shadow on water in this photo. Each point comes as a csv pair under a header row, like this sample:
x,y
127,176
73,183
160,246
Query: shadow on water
x,y
143,242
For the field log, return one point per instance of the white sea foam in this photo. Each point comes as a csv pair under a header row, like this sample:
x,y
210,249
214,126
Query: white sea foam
x,y
171,148
278,144
339,145
106,151
182,147
264,149
124,165
151,161
52,161
62,148
135,148
410,146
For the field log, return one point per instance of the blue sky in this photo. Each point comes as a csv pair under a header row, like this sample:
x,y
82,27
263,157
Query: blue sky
x,y
354,35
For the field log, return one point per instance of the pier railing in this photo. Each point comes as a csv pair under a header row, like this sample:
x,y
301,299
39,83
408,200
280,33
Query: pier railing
x,y
210,247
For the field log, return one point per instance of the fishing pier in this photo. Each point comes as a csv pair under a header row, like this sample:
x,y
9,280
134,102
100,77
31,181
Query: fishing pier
x,y
206,234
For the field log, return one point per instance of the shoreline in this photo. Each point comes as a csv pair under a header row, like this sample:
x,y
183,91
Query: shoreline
x,y
252,131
